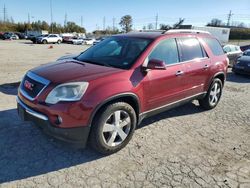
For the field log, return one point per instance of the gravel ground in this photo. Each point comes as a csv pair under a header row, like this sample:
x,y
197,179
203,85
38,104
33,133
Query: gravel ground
x,y
183,147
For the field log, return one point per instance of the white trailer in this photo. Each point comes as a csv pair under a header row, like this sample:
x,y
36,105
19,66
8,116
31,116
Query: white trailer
x,y
221,33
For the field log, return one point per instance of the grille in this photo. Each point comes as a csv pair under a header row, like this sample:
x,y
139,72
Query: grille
x,y
35,85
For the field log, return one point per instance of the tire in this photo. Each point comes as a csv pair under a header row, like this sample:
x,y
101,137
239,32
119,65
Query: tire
x,y
59,42
213,95
113,128
45,42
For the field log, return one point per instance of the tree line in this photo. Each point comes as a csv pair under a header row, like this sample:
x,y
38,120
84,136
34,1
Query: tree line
x,y
41,25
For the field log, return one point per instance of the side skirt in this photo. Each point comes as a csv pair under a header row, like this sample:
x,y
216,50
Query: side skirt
x,y
170,106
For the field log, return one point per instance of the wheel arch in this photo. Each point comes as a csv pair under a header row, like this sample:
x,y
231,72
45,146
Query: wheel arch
x,y
221,76
130,98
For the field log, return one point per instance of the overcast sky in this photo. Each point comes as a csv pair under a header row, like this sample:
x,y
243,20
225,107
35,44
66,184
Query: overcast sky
x,y
196,12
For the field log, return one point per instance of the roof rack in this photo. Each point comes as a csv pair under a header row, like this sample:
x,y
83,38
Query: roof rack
x,y
185,31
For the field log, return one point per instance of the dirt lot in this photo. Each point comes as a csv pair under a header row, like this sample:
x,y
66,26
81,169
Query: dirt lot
x,y
184,147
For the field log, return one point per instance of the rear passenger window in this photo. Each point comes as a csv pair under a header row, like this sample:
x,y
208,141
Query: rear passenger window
x,y
214,45
190,48
166,51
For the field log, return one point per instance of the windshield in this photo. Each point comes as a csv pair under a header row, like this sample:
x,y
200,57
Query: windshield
x,y
120,52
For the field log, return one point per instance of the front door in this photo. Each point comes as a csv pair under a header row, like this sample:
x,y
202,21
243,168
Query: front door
x,y
163,87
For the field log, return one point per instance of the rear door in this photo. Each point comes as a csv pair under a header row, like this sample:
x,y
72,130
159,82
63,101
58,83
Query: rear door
x,y
165,86
197,64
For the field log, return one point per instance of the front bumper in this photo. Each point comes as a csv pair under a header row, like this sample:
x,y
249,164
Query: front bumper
x,y
78,135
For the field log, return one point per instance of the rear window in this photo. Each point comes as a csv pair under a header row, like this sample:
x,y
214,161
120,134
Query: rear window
x,y
214,45
190,49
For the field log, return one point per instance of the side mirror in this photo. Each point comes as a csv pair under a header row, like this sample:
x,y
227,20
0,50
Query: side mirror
x,y
156,64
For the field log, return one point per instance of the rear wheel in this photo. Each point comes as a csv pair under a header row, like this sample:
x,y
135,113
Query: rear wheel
x,y
44,41
113,128
59,42
213,95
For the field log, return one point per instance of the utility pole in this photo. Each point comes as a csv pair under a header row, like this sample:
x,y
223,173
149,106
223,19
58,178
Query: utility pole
x,y
229,17
65,19
4,13
113,23
51,16
156,21
104,23
28,18
81,20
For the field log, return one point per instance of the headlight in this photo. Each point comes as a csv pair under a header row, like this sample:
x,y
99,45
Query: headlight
x,y
67,92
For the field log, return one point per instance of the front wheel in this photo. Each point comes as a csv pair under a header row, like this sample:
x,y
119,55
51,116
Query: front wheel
x,y
59,42
213,95
113,128
45,42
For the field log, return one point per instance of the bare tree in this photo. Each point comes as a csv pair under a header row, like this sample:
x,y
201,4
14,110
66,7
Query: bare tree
x,y
215,22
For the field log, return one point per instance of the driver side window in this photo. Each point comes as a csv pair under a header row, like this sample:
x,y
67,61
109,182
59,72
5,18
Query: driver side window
x,y
166,51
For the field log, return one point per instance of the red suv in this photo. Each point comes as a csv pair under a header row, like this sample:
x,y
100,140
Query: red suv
x,y
102,94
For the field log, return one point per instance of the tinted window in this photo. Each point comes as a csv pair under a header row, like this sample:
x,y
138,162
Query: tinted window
x,y
166,51
190,49
214,45
120,52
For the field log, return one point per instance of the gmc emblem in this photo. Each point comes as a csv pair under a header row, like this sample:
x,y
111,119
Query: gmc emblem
x,y
28,85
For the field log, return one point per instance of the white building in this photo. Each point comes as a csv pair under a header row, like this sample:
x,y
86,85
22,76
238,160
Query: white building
x,y
221,33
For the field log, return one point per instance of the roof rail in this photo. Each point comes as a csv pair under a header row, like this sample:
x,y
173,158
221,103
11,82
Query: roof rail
x,y
185,31
150,30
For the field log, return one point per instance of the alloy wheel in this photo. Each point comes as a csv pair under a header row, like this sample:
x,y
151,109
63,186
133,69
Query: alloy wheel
x,y
116,128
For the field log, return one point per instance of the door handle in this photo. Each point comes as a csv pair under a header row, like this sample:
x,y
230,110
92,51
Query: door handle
x,y
179,73
206,67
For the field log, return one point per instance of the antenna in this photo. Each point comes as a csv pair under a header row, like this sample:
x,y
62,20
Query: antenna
x,y
81,20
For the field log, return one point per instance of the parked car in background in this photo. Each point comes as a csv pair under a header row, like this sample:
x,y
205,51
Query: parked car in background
x,y
2,35
34,39
99,40
101,95
89,41
10,36
51,38
67,39
242,65
233,52
21,35
77,40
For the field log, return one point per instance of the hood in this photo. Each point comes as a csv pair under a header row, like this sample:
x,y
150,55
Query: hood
x,y
72,70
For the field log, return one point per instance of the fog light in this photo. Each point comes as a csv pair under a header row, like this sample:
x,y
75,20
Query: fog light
x,y
58,120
